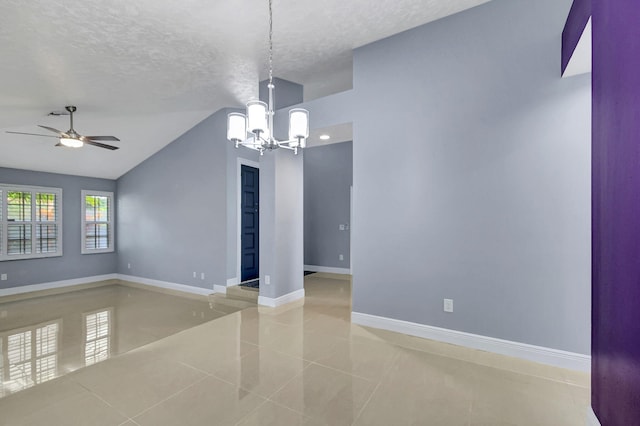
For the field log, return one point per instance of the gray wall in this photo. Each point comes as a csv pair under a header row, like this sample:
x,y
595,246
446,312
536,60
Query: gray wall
x,y
281,223
72,264
172,213
472,177
328,173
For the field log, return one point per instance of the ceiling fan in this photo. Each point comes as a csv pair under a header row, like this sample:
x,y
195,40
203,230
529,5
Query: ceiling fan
x,y
73,139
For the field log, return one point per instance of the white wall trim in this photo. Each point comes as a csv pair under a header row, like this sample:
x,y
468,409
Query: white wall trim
x,y
287,298
233,281
241,161
592,419
555,357
56,284
219,289
327,269
165,284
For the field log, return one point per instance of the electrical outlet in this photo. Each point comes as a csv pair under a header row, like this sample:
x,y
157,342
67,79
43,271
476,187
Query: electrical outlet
x,y
267,279
341,257
3,277
128,266
202,276
448,305
341,227
195,274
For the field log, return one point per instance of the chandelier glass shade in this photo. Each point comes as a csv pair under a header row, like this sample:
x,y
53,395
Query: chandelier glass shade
x,y
254,128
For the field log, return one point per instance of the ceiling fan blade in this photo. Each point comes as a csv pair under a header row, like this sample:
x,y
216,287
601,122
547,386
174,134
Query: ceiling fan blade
x,y
103,138
100,145
60,132
32,134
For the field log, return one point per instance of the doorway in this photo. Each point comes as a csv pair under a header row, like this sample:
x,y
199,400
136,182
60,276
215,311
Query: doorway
x,y
249,223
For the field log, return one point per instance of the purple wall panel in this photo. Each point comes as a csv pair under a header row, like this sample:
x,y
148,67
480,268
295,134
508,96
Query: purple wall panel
x,y
616,212
578,17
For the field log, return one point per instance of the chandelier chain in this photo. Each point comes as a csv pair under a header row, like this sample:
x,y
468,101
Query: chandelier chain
x,y
270,43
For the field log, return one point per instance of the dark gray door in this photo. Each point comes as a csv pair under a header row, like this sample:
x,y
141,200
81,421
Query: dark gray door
x,y
250,226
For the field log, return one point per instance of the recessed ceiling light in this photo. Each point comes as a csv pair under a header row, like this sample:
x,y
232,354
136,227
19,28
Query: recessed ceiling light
x,y
325,137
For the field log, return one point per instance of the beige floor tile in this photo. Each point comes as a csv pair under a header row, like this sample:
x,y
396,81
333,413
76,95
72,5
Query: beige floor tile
x,y
295,342
368,359
519,365
330,325
208,402
263,371
502,397
293,316
422,388
205,351
315,367
581,396
271,414
387,408
84,409
133,387
578,378
326,395
13,408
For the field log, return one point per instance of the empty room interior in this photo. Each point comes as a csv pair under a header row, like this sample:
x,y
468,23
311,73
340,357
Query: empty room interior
x,y
403,212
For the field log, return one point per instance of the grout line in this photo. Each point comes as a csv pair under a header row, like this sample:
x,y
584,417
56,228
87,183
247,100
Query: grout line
x,y
105,401
366,402
368,379
251,412
285,385
169,397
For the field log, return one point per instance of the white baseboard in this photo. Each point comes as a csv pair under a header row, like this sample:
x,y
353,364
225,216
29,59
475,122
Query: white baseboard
x,y
219,289
56,284
232,281
555,357
165,284
592,419
328,269
287,298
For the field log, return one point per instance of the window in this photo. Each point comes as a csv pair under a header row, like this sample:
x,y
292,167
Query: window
x,y
30,222
97,222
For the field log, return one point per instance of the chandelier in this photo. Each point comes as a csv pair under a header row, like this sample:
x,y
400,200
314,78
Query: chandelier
x,y
255,128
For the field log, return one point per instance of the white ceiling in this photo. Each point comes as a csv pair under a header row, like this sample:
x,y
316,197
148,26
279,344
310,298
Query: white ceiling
x,y
146,71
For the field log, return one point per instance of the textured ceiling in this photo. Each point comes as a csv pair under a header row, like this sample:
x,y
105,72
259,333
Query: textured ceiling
x,y
148,70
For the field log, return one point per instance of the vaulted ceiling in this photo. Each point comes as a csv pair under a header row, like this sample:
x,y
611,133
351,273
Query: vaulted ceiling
x,y
148,70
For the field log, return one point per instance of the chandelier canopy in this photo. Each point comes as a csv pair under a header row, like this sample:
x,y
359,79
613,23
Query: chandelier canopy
x,y
254,129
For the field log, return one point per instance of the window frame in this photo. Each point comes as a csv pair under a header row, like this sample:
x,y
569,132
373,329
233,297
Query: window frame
x,y
110,222
4,221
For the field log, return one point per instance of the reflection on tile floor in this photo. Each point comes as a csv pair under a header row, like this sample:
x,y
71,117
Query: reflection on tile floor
x,y
295,365
42,338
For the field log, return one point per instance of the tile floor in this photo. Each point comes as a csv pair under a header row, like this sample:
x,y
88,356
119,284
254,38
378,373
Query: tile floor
x,y
302,365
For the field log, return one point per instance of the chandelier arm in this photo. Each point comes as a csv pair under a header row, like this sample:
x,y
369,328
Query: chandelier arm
x,y
290,148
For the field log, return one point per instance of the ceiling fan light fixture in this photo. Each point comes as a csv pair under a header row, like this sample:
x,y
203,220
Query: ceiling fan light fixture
x,y
71,143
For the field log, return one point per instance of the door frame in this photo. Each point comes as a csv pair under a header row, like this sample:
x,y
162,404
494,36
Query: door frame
x,y
242,162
